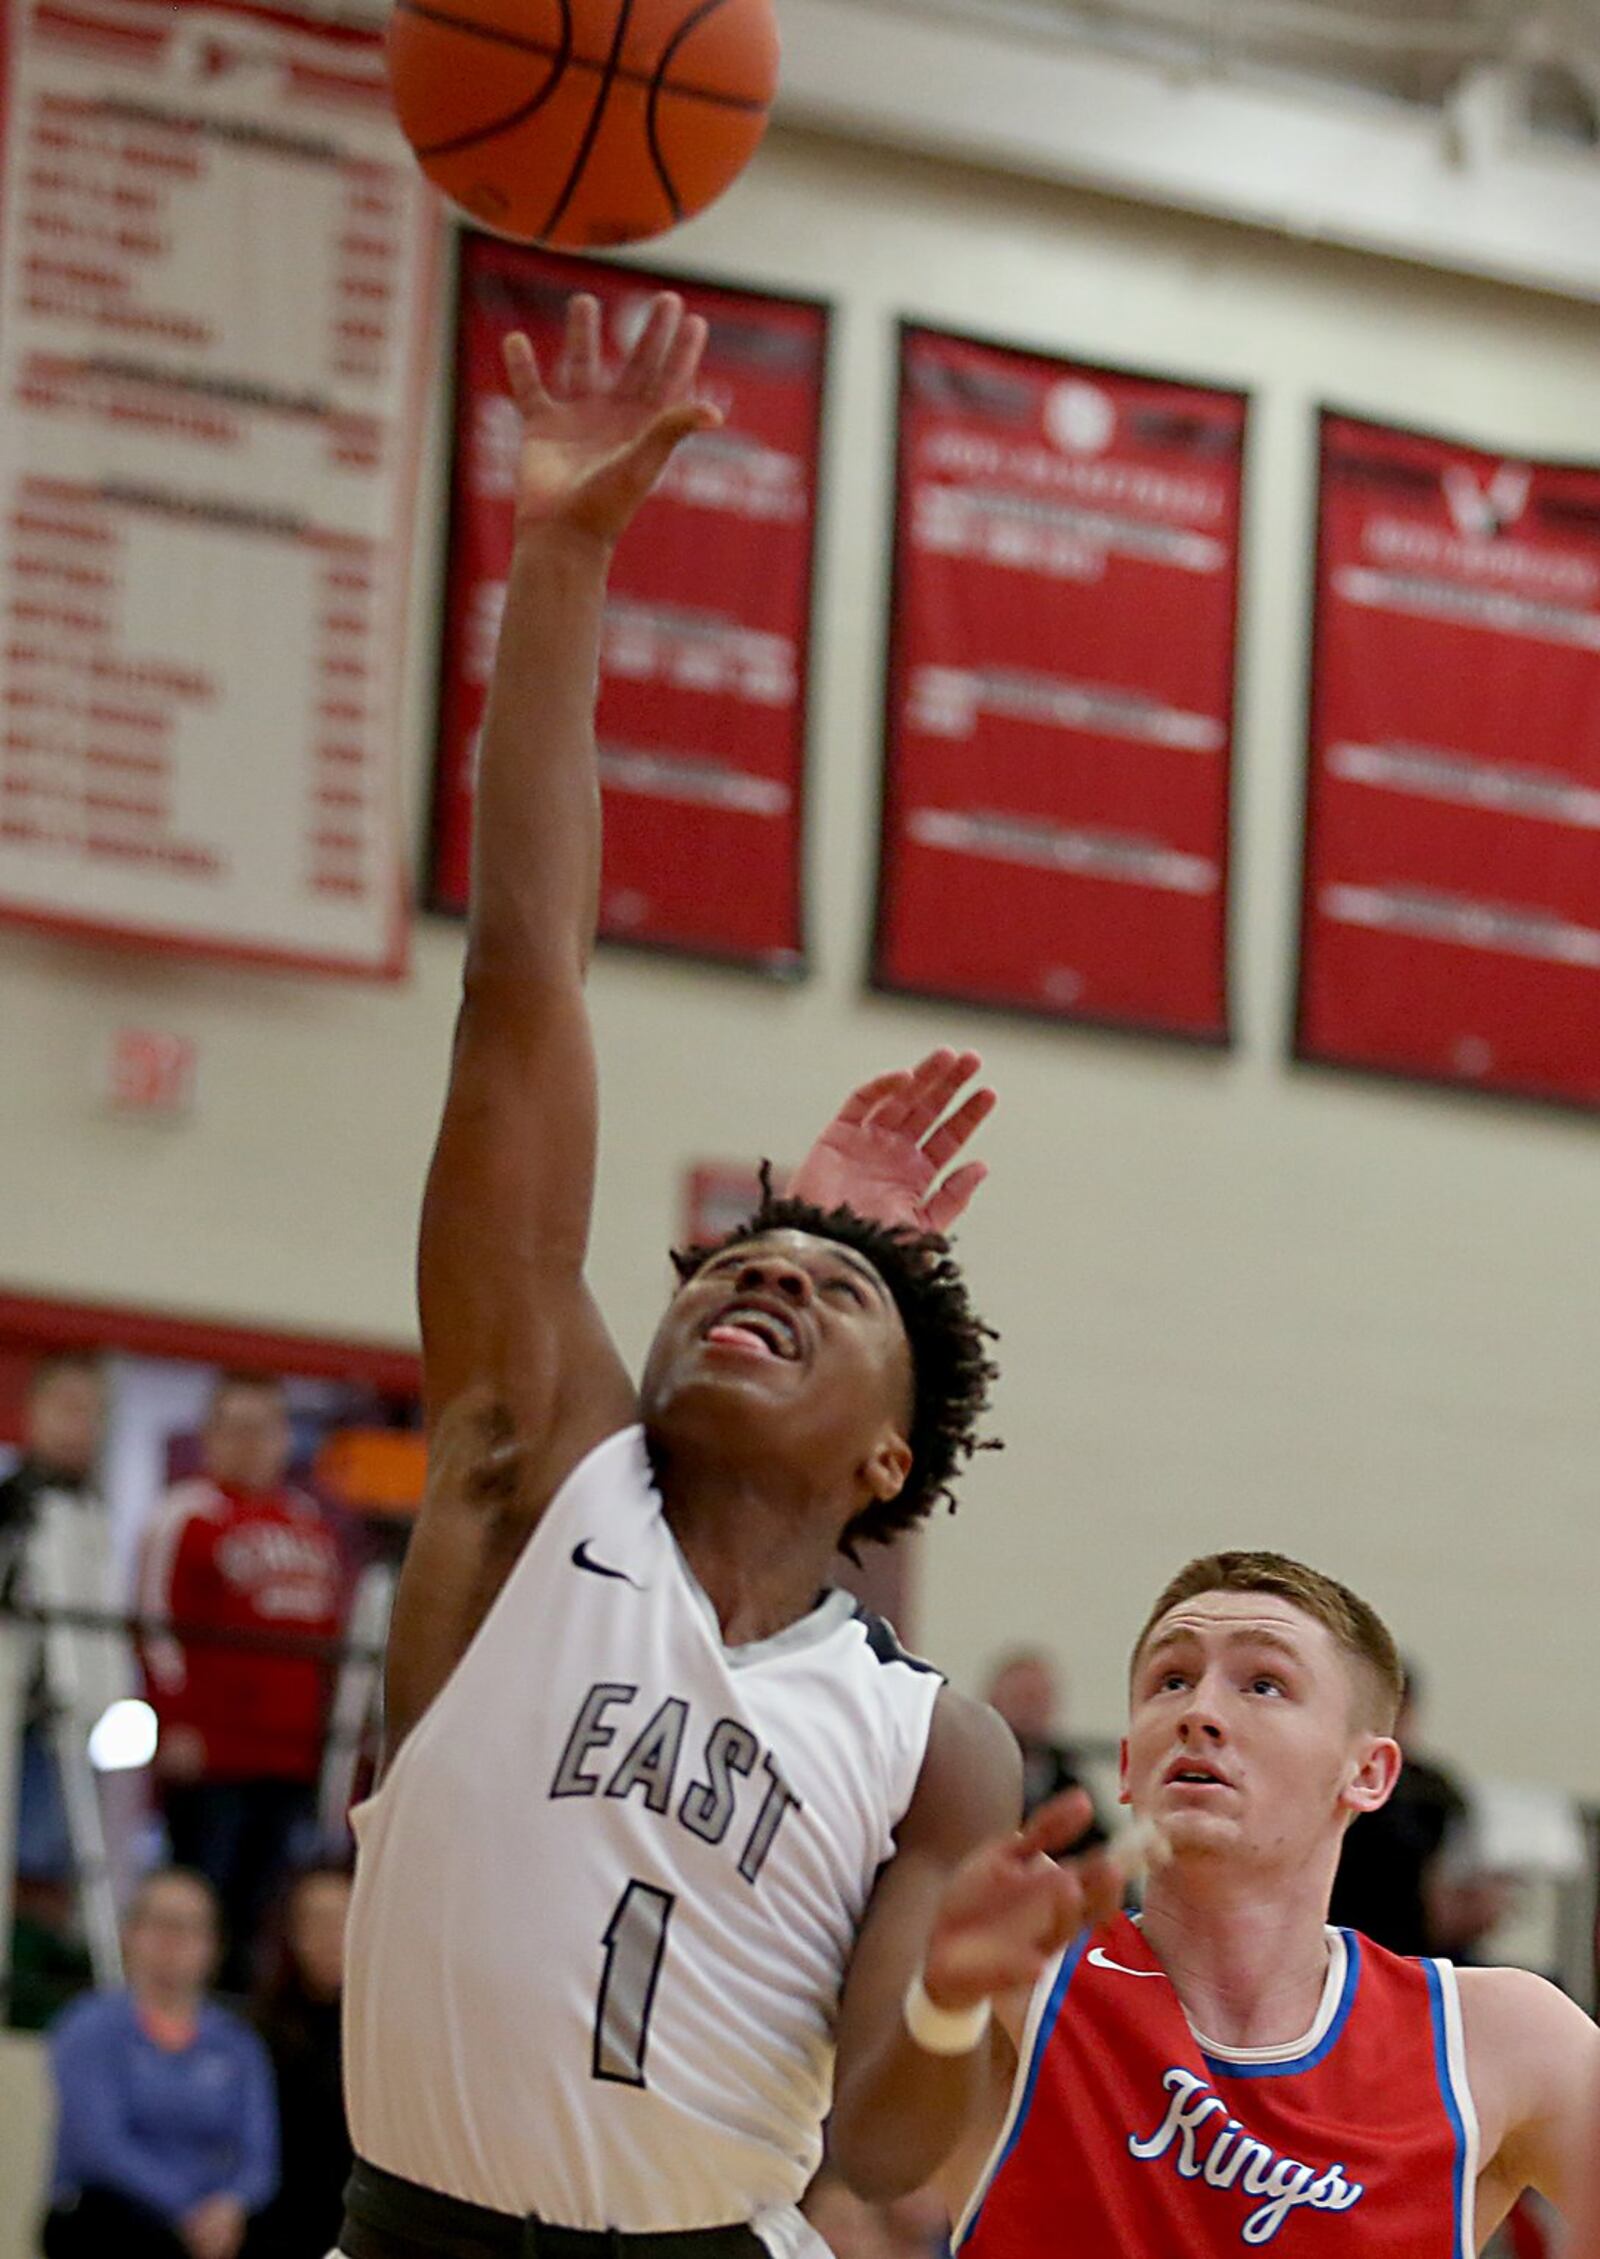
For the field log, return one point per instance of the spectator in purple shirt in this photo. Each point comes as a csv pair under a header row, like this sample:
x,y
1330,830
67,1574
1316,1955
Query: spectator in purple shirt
x,y
167,2136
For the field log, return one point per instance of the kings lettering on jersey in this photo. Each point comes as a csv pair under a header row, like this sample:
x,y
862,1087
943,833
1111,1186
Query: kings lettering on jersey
x,y
1357,2141
1204,2143
652,1757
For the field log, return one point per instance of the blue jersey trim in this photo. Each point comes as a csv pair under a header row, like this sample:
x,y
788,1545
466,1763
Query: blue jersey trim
x,y
1221,2068
1452,2107
1041,2041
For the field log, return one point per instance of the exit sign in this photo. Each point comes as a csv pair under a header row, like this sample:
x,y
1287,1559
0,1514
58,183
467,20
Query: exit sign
x,y
150,1072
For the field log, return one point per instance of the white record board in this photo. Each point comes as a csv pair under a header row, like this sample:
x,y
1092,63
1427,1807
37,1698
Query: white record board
x,y
215,286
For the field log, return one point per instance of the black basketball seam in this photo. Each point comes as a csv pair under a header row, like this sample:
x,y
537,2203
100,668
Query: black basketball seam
x,y
625,72
658,79
524,110
653,142
591,132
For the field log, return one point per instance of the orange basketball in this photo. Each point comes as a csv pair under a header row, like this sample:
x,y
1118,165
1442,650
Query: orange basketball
x,y
583,122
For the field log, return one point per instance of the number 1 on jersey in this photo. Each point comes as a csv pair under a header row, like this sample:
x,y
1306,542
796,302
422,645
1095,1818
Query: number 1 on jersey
x,y
635,1941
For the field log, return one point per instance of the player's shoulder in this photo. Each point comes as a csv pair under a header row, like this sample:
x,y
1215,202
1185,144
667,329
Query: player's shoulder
x,y
1529,2051
970,1785
1515,2008
977,1730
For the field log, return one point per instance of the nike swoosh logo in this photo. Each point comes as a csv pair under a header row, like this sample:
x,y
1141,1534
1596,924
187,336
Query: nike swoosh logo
x,y
1103,1960
583,1559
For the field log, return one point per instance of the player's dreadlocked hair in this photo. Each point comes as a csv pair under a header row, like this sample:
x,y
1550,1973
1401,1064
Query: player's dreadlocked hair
x,y
950,1364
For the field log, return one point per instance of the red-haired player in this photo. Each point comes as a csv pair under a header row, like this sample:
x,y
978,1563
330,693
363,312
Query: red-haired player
x,y
1227,2073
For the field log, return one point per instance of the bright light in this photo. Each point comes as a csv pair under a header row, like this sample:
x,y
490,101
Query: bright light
x,y
124,1739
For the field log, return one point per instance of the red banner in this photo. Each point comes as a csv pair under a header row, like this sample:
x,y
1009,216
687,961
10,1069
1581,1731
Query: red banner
x,y
1451,909
702,717
1060,715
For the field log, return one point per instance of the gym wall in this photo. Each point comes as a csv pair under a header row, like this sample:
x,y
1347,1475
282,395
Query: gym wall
x,y
1241,1302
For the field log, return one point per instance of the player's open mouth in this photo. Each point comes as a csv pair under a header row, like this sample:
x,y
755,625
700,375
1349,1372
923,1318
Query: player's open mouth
x,y
1186,1774
757,1329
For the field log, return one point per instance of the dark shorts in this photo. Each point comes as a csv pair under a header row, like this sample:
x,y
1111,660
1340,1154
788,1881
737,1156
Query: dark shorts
x,y
100,2224
389,2218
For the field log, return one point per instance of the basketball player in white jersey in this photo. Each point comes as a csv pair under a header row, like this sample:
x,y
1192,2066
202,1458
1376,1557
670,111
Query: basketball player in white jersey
x,y
663,1815
1342,2100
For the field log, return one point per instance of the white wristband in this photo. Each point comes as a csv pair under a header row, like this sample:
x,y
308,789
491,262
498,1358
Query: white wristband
x,y
942,2031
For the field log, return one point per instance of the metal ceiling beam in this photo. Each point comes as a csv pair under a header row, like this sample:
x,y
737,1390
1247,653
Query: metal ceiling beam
x,y
1376,175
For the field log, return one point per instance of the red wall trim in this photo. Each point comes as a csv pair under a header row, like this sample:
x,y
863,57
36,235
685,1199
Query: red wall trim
x,y
35,1323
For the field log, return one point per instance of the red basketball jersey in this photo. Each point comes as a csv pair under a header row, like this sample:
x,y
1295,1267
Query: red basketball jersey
x,y
1130,2138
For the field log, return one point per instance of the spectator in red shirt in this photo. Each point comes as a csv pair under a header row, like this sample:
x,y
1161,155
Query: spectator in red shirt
x,y
238,1550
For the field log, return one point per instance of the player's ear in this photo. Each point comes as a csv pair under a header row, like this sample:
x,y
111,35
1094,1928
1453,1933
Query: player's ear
x,y
1122,1772
1376,1761
886,1472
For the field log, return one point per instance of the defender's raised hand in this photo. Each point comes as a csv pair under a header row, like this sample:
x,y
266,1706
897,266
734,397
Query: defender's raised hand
x,y
884,1152
1015,1903
594,444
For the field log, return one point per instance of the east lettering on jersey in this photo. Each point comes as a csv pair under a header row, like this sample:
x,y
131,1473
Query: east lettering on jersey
x,y
650,1763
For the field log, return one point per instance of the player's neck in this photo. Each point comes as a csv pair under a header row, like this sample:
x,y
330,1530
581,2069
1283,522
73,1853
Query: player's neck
x,y
1248,1963
760,1558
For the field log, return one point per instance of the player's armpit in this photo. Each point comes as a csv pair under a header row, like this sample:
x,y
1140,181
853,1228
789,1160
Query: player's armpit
x,y
1533,2062
484,1494
899,2111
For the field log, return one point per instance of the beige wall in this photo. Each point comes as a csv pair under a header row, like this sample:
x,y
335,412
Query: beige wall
x,y
25,2114
1239,1303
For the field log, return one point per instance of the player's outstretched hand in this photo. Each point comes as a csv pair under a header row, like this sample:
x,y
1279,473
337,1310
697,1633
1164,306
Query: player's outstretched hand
x,y
885,1152
593,444
1015,1903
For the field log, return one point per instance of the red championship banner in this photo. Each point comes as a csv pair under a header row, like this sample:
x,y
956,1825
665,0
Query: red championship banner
x,y
1451,909
1060,701
702,718
214,301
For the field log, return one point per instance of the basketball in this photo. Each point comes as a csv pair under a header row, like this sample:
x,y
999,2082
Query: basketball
x,y
582,123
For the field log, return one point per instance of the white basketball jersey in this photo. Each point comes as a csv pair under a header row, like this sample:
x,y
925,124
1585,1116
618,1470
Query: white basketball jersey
x,y
608,1891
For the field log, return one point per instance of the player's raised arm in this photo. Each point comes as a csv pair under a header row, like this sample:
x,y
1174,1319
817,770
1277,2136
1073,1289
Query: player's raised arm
x,y
505,1222
520,1376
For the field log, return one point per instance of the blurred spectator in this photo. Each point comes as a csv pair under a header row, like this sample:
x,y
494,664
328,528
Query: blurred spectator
x,y
913,2228
1464,1900
166,2138
297,2014
54,1550
237,1550
65,1419
1024,1688
1392,1868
